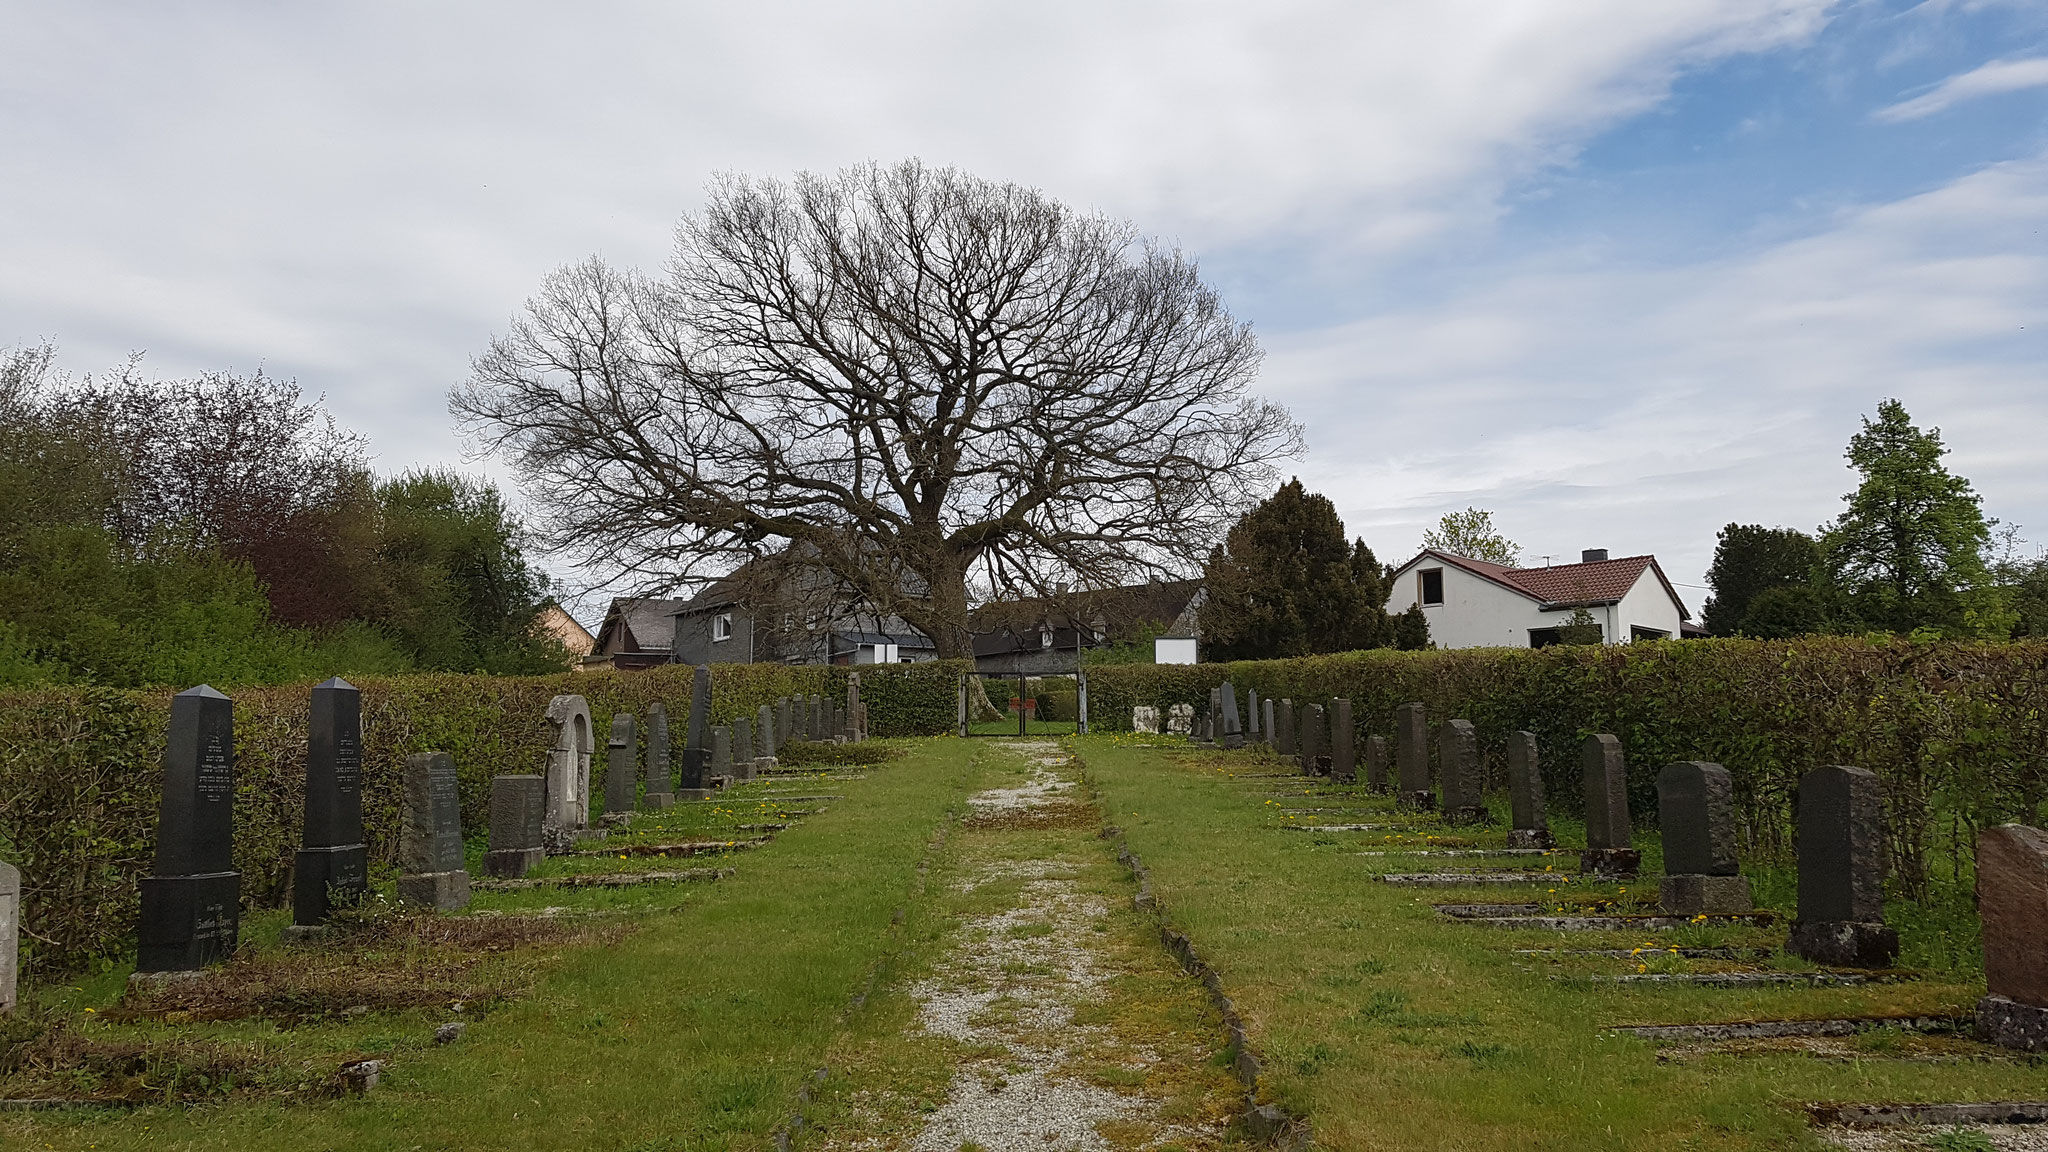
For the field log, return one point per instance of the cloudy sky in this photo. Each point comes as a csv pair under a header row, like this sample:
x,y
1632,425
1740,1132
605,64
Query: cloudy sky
x,y
1621,272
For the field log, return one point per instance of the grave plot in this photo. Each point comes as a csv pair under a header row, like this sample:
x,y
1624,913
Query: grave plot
x,y
1039,1011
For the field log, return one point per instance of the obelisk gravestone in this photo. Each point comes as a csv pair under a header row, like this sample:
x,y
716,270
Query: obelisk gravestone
x,y
333,868
191,903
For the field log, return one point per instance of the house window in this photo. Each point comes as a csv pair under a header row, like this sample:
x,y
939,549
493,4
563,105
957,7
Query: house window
x,y
1432,580
1638,632
721,627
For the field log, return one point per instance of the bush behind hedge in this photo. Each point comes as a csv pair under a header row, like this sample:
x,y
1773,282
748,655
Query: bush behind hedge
x,y
81,770
1957,732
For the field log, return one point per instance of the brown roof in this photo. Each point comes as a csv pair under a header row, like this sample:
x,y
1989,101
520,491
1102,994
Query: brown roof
x,y
1566,585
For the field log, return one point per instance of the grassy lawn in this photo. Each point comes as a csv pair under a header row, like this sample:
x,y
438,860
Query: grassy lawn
x,y
680,1016
1394,1028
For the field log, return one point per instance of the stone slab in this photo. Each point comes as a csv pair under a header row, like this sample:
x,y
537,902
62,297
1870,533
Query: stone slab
x,y
512,863
441,891
1728,979
2011,1024
1692,894
1831,1114
1773,1029
1466,879
1844,944
606,880
1618,863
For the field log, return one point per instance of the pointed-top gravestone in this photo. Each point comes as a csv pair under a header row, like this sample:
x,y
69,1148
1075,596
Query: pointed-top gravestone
x,y
1284,734
333,867
1458,773
518,804
695,781
1376,760
622,767
1609,835
1696,816
661,786
2012,904
1841,871
10,936
431,872
1525,795
191,903
1343,743
1411,755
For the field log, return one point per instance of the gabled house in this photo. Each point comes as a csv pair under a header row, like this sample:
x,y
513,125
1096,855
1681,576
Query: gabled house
x,y
1476,604
1046,635
638,632
777,610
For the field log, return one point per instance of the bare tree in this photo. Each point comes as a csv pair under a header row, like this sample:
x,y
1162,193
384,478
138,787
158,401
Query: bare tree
x,y
939,383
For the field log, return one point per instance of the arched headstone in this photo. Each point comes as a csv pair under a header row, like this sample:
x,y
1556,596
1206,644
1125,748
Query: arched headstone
x,y
568,770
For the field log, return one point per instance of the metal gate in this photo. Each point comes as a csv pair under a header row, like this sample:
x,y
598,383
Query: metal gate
x,y
1022,705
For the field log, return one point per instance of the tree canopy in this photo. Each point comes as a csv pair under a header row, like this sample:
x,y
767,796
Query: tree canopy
x,y
1286,583
1749,560
1471,534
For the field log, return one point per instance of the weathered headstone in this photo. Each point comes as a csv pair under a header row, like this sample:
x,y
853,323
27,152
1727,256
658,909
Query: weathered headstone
x,y
783,731
191,903
1212,727
2012,903
721,752
1696,814
695,783
1180,719
1841,871
1285,744
621,768
332,869
431,872
1343,743
660,772
1144,718
571,741
743,748
518,804
765,741
1457,745
816,712
1531,824
856,714
1233,727
1252,731
1610,838
1411,756
1376,763
10,936
1269,722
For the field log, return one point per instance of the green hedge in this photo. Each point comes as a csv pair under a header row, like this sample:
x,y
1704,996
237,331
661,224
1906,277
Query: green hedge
x,y
1957,731
80,770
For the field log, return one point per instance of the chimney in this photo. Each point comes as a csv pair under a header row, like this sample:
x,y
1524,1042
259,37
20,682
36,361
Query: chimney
x,y
1592,555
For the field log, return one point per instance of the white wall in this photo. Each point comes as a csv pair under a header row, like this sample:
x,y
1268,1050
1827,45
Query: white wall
x,y
1477,613
1648,605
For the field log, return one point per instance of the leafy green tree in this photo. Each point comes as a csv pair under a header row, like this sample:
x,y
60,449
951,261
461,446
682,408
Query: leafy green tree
x,y
1580,629
1285,583
1750,559
1907,554
1471,534
1787,610
1411,629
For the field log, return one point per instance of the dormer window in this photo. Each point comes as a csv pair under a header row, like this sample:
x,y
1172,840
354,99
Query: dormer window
x,y
1432,585
721,627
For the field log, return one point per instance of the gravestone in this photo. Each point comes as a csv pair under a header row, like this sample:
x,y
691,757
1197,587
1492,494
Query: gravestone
x,y
1531,825
621,768
1343,743
518,804
1314,756
743,748
721,753
1212,726
2012,902
332,869
1840,839
783,732
1411,756
10,936
1252,731
1144,718
1458,773
856,714
1285,745
1376,763
191,903
1180,719
571,741
695,783
764,749
816,712
1696,816
660,774
1609,836
1269,723
430,865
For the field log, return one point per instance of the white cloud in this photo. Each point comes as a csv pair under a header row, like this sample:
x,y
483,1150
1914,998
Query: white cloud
x,y
1991,79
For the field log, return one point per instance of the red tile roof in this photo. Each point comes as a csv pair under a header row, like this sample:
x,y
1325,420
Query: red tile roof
x,y
1567,585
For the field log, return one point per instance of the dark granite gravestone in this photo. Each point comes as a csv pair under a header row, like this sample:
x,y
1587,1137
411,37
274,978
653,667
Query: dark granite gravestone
x,y
333,868
1411,756
764,751
1376,763
695,782
1696,814
1525,795
743,748
1841,871
430,841
10,936
1284,733
1343,743
1457,745
1314,757
1609,836
621,767
721,753
660,774
2012,903
517,805
1252,731
191,903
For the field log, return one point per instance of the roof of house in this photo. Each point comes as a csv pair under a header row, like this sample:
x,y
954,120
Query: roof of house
x,y
1564,585
1114,610
648,624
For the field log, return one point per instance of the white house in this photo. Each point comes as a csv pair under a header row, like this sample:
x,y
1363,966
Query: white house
x,y
1476,604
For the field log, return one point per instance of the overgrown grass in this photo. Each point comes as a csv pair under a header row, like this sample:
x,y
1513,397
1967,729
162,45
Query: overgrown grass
x,y
694,1030
1394,1028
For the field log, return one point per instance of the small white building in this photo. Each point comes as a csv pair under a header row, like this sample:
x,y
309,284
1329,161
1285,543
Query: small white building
x,y
1476,604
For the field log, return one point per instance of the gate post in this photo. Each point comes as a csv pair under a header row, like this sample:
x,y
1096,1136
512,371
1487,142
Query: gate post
x,y
1081,692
